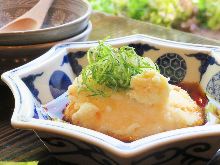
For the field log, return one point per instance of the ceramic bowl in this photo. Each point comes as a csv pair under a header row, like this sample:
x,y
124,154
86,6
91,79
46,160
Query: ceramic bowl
x,y
44,81
65,19
14,56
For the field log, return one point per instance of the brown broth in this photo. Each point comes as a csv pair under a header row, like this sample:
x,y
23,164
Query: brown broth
x,y
196,93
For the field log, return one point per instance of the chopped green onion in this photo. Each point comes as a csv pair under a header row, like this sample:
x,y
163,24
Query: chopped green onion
x,y
112,68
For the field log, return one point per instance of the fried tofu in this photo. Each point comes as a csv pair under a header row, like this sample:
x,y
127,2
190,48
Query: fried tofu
x,y
150,106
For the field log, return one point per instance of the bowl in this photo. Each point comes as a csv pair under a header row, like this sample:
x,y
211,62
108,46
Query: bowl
x,y
65,19
44,81
14,56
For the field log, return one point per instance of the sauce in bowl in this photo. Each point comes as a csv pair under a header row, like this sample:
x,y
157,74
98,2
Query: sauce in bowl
x,y
196,93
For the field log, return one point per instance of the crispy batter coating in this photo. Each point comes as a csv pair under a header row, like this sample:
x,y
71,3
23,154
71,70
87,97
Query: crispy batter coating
x,y
149,107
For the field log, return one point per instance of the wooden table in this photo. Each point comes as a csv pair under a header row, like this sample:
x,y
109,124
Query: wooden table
x,y
20,145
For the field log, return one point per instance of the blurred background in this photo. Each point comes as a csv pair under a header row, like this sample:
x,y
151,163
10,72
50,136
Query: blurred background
x,y
195,16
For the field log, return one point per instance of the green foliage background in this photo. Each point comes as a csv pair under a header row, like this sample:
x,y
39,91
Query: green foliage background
x,y
169,13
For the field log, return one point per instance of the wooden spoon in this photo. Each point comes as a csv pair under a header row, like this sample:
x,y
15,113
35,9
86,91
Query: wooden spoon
x,y
31,20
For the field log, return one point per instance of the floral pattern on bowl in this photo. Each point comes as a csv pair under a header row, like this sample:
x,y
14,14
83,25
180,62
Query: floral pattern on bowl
x,y
40,88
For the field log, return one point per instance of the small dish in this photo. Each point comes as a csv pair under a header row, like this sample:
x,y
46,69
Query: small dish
x,y
14,56
65,19
39,82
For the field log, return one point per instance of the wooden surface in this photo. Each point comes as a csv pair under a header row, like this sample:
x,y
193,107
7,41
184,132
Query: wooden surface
x,y
16,145
104,25
20,145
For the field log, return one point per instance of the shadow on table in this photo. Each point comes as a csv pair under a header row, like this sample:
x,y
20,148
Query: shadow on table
x,y
215,159
53,161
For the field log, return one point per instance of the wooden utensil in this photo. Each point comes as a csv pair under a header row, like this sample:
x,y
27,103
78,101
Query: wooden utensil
x,y
31,20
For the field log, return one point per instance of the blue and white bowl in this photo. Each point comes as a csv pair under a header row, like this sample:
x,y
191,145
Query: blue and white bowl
x,y
37,84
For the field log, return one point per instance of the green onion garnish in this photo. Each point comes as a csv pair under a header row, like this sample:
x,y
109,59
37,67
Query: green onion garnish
x,y
113,68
